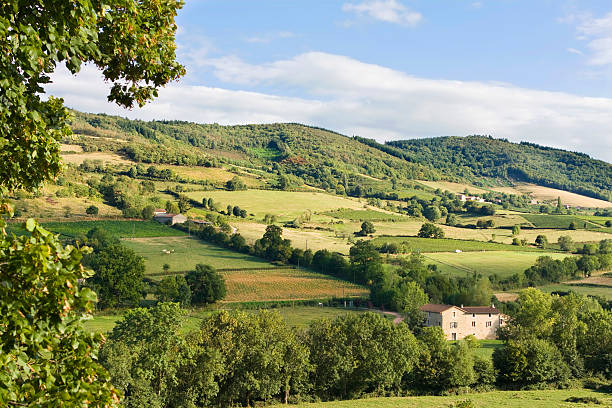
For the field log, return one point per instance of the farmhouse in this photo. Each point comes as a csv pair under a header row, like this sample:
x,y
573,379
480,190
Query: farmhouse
x,y
167,218
159,211
458,322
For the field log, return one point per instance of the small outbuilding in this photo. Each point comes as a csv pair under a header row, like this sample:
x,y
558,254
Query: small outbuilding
x,y
170,219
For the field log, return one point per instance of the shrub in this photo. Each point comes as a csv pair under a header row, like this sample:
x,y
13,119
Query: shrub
x,y
91,210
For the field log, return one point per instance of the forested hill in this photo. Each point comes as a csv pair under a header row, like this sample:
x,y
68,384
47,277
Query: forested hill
x,y
312,155
481,156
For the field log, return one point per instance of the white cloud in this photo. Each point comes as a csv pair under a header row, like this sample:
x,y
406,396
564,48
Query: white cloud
x,y
598,33
389,11
575,51
352,97
269,37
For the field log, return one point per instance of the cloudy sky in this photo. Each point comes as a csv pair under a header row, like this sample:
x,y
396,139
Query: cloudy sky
x,y
525,70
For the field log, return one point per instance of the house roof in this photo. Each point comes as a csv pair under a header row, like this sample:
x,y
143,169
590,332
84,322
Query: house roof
x,y
436,308
481,309
166,215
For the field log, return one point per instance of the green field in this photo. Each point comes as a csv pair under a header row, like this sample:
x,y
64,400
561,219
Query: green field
x,y
503,264
416,244
495,399
116,228
298,316
365,215
284,204
592,290
558,221
186,253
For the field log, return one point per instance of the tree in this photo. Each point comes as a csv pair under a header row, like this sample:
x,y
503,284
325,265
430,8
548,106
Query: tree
x,y
172,207
174,289
408,297
367,228
91,210
54,364
38,347
566,243
432,213
541,241
148,212
131,42
118,276
572,226
206,284
366,262
184,203
235,184
429,230
516,230
451,219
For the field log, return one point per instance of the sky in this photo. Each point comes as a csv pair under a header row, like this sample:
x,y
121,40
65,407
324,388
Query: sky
x,y
524,70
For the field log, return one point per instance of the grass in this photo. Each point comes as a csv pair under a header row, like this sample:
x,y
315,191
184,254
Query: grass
x,y
558,221
457,188
416,244
187,252
284,204
298,316
503,264
583,289
119,229
541,194
497,399
364,215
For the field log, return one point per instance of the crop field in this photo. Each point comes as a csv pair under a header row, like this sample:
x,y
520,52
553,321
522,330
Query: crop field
x,y
119,229
597,220
184,253
497,399
213,174
298,316
558,221
286,284
300,238
503,264
582,288
457,188
365,215
550,194
105,157
416,244
284,204
500,219
52,207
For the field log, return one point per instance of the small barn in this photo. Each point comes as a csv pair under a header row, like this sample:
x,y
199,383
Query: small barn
x,y
170,219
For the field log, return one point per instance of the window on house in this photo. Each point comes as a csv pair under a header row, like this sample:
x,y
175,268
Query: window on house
x,y
473,324
488,324
453,325
473,314
454,335
489,314
454,314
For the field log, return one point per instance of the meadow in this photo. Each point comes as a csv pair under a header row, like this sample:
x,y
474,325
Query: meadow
x,y
503,264
542,194
558,221
116,228
497,399
416,244
457,188
581,288
284,204
183,253
365,215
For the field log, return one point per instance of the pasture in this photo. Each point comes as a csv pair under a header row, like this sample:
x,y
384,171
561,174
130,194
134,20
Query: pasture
x,y
503,264
544,194
497,399
104,157
365,215
184,253
284,204
213,174
558,221
604,291
416,244
116,228
457,188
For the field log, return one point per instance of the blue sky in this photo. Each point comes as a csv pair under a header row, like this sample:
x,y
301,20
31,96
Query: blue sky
x,y
538,70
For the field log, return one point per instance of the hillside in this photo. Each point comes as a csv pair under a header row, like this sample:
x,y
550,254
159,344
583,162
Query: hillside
x,y
310,155
476,157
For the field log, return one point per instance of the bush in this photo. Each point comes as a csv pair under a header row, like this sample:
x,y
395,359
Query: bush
x,y
91,210
429,230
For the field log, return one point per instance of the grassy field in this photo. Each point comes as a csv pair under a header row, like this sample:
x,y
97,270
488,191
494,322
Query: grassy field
x,y
558,221
416,244
365,215
298,316
105,157
487,263
286,284
550,194
187,252
495,399
212,174
457,188
284,204
116,228
582,288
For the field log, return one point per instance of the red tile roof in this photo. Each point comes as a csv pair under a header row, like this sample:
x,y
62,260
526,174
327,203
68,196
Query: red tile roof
x,y
481,309
435,308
